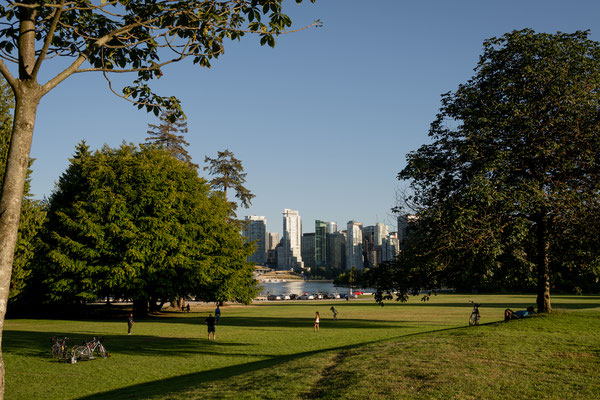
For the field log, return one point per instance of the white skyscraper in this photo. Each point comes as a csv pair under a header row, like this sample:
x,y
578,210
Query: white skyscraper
x,y
256,230
381,232
290,255
332,227
354,256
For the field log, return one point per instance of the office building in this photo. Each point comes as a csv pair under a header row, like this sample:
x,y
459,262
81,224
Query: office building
x,y
256,231
336,252
332,227
354,253
290,255
308,250
320,244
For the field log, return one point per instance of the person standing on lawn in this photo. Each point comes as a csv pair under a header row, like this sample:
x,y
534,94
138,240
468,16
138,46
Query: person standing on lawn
x,y
317,320
129,323
210,322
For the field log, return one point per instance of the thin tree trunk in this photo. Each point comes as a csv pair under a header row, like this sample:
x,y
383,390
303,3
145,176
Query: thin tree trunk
x,y
27,99
543,265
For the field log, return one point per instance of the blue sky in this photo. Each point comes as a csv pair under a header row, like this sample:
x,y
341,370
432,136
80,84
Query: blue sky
x,y
323,121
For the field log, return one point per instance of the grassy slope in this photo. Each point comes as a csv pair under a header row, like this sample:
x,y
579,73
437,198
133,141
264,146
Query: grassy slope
x,y
270,351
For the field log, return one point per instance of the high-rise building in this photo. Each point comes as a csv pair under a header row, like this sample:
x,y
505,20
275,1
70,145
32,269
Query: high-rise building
x,y
381,232
290,256
256,231
320,244
390,247
405,226
308,250
332,227
273,240
354,256
336,251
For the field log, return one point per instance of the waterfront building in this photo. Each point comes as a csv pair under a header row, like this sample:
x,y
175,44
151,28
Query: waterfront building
x,y
290,255
336,252
256,231
390,248
354,252
308,250
273,240
320,244
406,224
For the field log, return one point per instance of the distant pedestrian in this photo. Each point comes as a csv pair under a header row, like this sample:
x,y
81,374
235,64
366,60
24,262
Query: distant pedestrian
x,y
129,324
317,320
218,314
187,308
210,322
334,311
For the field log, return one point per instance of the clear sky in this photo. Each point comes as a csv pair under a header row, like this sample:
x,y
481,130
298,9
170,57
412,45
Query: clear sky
x,y
323,121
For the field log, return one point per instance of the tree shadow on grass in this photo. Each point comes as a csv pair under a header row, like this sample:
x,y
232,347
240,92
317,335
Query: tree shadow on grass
x,y
181,383
38,344
581,305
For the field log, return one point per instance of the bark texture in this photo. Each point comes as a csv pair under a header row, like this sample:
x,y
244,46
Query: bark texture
x,y
543,266
27,100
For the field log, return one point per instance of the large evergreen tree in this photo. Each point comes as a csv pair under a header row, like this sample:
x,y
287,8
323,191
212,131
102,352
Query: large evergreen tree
x,y
513,166
140,224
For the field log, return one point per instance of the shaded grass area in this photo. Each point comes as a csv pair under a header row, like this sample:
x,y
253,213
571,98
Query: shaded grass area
x,y
413,350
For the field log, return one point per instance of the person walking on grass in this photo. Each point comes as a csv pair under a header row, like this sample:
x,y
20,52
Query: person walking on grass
x,y
129,323
218,313
210,322
334,311
317,320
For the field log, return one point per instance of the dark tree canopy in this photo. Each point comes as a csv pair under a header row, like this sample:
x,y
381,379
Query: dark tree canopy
x,y
228,173
165,136
138,223
512,167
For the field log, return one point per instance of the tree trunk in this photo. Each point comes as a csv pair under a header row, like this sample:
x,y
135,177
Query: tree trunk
x,y
140,307
27,100
543,265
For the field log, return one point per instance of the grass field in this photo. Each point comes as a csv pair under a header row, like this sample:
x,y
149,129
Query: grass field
x,y
404,351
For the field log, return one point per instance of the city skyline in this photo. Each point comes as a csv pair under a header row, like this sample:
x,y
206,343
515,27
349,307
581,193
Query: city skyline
x,y
322,122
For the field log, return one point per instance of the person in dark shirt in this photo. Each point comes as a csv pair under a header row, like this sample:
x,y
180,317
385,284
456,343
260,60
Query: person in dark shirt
x,y
210,322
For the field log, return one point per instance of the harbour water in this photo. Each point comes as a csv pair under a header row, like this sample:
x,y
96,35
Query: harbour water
x,y
300,287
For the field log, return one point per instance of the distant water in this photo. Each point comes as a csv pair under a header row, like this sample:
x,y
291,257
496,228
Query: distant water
x,y
299,287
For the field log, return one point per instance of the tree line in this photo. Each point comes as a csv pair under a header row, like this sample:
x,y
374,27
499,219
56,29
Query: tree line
x,y
135,222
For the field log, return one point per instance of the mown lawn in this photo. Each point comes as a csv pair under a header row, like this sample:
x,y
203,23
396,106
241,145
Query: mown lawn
x,y
413,350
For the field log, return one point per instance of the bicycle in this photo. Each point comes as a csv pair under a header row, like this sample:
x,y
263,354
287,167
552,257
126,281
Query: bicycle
x,y
59,347
87,349
475,316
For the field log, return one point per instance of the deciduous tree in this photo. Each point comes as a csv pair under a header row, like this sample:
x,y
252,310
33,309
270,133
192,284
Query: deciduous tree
x,y
512,165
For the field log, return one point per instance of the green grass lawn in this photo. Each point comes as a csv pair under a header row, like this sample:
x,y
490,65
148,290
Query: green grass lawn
x,y
404,351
